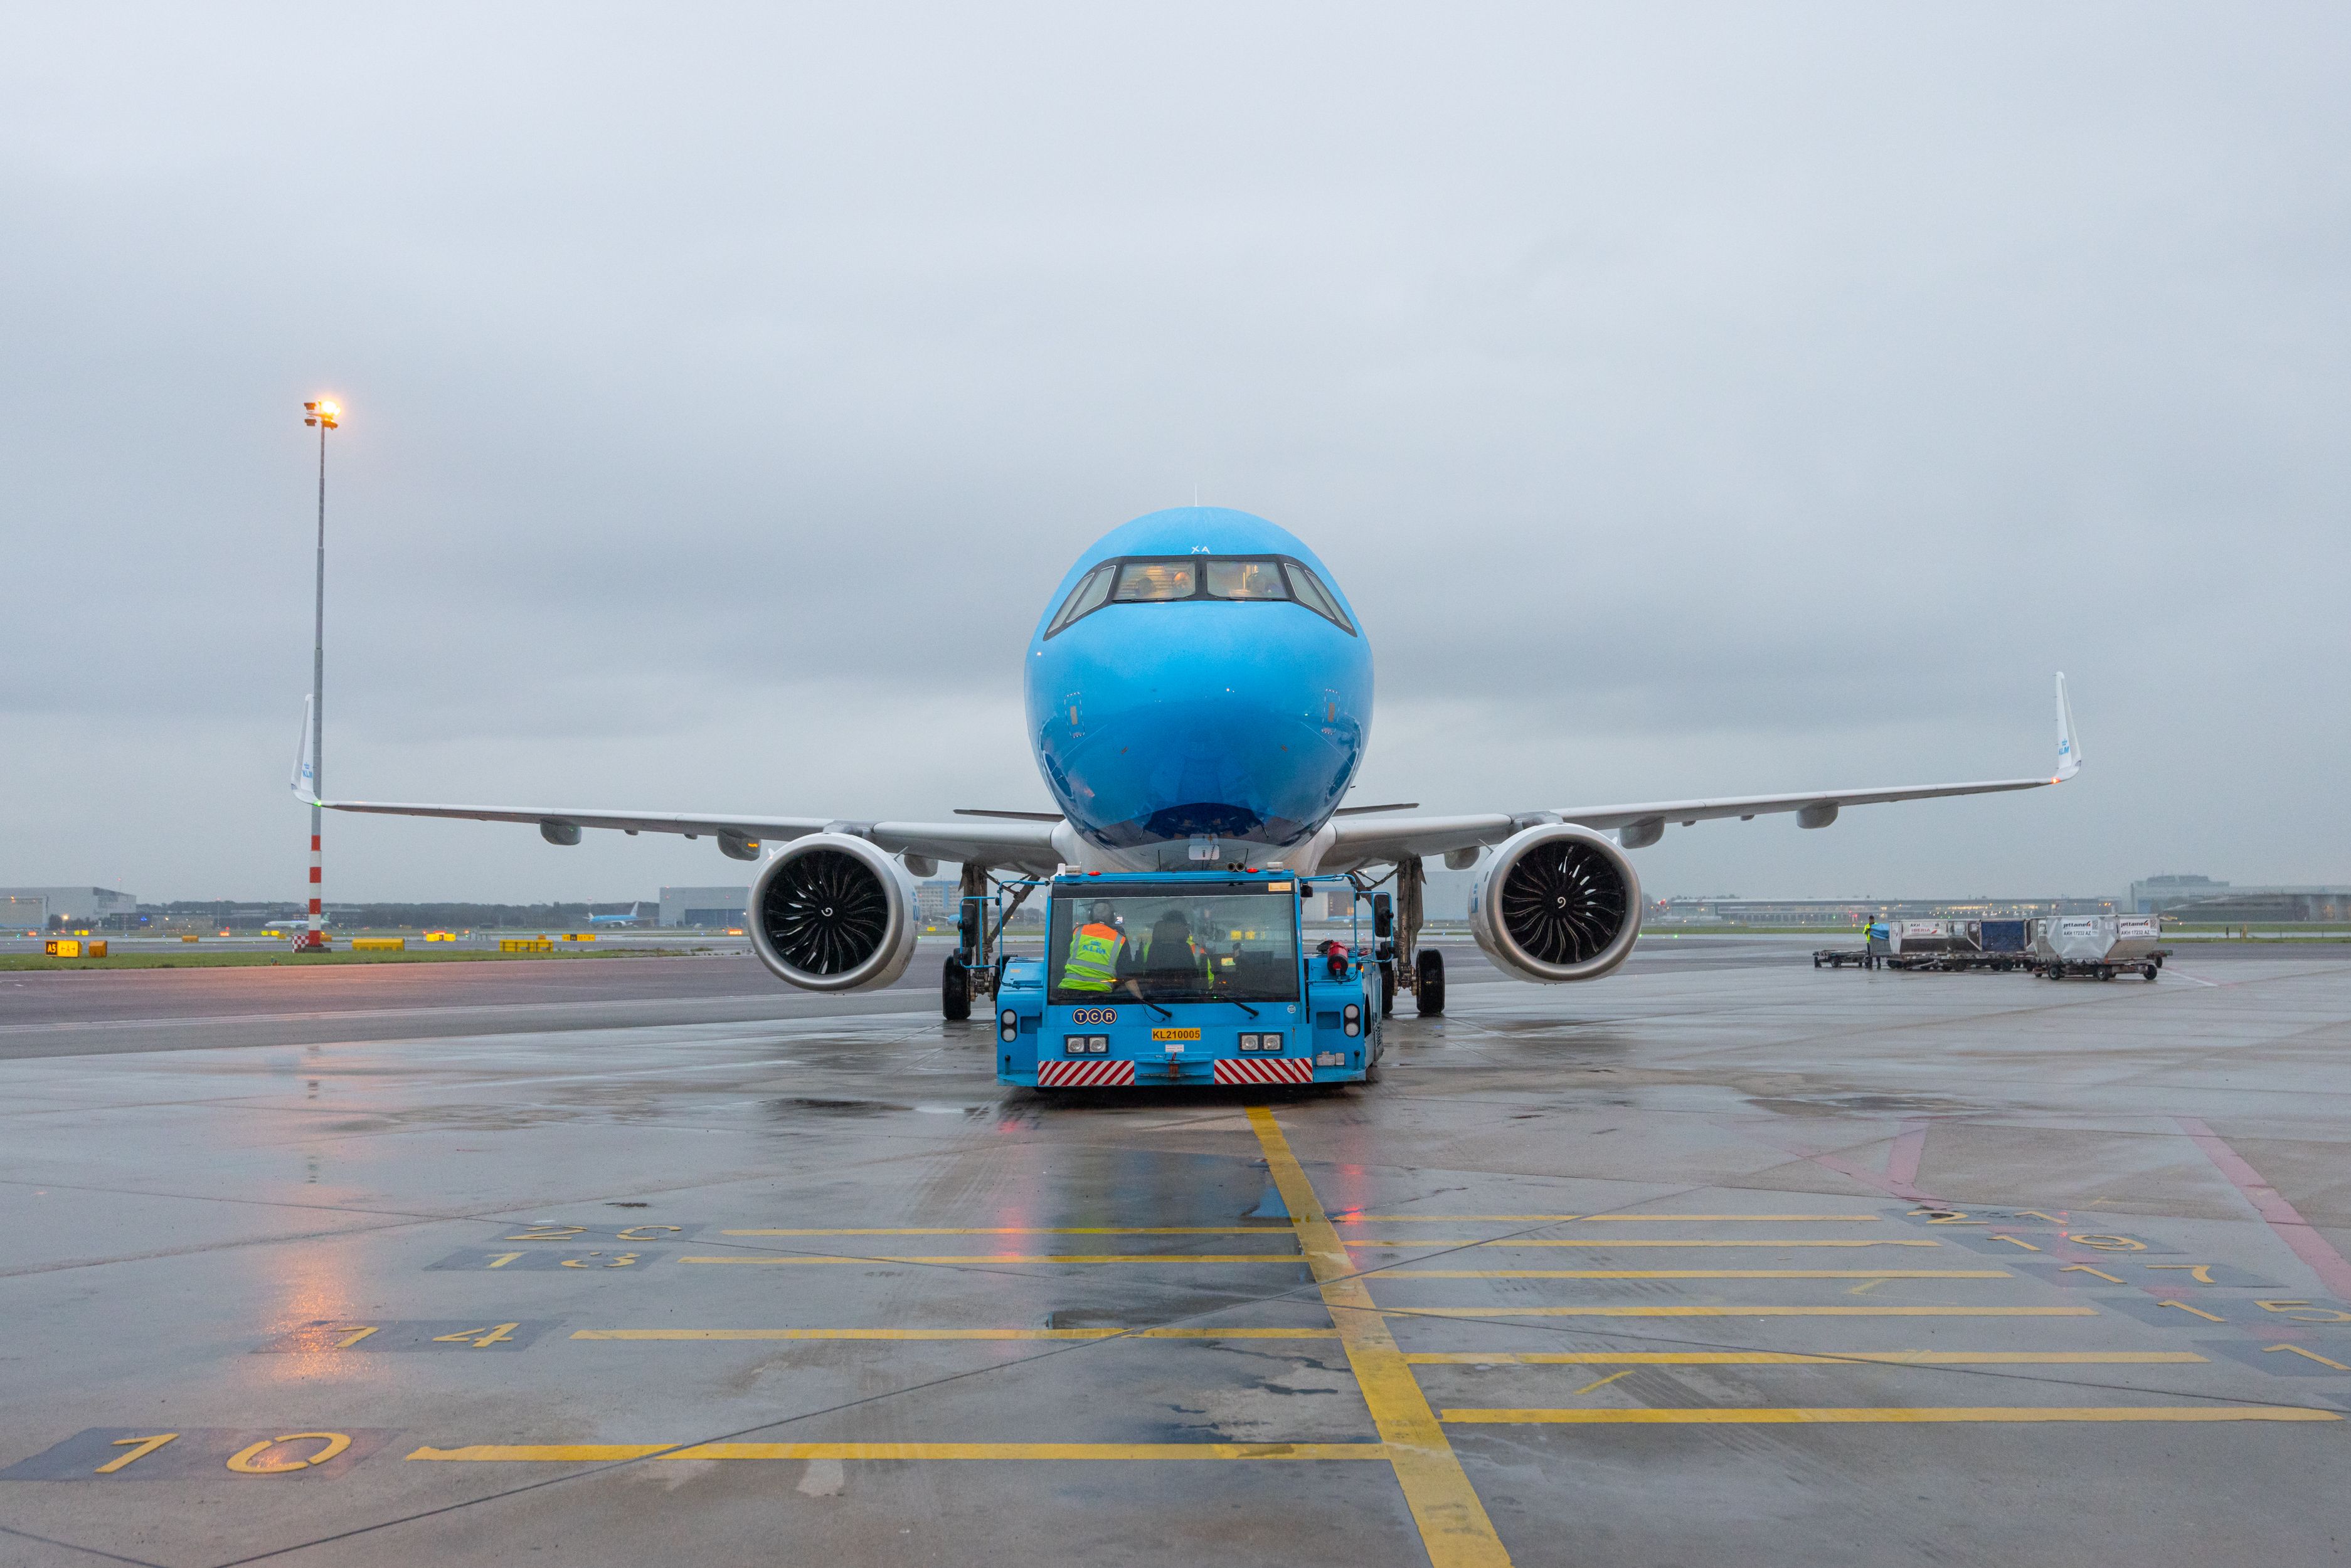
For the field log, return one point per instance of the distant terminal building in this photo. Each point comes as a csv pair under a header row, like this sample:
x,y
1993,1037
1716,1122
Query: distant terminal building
x,y
2200,898
76,906
722,906
1730,909
24,912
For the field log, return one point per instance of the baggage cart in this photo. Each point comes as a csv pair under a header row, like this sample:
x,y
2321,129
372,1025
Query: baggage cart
x,y
1936,947
2098,946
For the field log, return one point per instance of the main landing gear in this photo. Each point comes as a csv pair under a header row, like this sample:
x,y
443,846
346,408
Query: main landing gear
x,y
967,968
1429,988
1423,971
955,990
974,968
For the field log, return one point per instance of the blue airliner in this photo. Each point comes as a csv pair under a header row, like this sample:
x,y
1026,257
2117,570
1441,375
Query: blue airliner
x,y
1199,698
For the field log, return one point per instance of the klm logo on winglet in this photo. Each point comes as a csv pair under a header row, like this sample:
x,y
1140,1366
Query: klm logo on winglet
x,y
305,767
2069,748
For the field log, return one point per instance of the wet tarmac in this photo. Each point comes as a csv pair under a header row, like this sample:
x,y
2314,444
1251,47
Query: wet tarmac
x,y
1722,1259
86,1011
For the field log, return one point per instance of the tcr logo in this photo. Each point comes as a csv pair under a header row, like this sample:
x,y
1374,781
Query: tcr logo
x,y
1094,1014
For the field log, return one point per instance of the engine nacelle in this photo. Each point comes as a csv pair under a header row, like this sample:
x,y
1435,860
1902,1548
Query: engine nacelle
x,y
832,912
1556,903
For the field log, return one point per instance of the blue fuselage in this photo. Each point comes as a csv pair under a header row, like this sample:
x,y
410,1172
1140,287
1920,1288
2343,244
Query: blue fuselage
x,y
1225,724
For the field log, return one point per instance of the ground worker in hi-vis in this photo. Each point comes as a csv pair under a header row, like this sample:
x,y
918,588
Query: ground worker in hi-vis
x,y
1094,952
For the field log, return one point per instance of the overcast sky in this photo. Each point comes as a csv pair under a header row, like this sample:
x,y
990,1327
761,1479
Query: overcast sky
x,y
1691,399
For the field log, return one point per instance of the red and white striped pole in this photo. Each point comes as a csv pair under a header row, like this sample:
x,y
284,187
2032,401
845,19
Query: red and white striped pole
x,y
326,415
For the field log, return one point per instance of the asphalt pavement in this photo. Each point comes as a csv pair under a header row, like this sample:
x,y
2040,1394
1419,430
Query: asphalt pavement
x,y
1723,1259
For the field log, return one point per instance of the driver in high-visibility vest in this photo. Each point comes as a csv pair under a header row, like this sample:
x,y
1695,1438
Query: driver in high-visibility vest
x,y
1094,952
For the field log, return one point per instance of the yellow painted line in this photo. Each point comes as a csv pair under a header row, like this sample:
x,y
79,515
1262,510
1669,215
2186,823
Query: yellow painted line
x,y
1741,1311
1614,1242
1695,1274
1026,1258
1593,1219
1678,1416
607,1453
1453,1524
940,1335
1790,1358
544,1453
1033,1451
1041,1230
1453,1219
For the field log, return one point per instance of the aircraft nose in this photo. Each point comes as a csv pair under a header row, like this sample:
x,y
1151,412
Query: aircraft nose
x,y
1233,721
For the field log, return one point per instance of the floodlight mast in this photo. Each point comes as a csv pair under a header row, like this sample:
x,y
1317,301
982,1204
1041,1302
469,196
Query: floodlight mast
x,y
326,414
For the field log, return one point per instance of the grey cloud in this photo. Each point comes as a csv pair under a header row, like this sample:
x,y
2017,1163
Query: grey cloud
x,y
1689,400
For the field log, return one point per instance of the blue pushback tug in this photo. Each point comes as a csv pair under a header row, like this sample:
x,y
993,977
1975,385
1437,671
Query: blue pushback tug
x,y
1195,978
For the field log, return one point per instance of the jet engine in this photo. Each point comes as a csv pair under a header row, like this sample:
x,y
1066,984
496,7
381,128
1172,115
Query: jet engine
x,y
1556,903
832,912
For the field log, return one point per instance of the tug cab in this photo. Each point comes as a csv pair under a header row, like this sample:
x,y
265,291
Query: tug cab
x,y
1200,977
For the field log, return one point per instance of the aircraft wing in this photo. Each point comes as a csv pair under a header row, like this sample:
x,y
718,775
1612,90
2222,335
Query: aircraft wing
x,y
1022,845
1363,841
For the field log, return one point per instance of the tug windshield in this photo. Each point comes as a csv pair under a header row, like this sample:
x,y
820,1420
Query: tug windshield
x,y
1167,943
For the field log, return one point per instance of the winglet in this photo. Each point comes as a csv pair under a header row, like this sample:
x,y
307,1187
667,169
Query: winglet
x,y
303,782
2069,745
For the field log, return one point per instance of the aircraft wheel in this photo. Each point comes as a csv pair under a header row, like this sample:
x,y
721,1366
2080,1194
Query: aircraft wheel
x,y
955,990
1429,988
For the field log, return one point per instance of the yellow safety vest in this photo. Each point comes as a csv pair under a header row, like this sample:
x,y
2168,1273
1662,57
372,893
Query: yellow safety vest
x,y
1094,959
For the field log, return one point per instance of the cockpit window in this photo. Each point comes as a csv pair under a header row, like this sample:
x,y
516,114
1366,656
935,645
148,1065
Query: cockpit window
x,y
1160,579
1149,581
1311,594
1246,580
1087,597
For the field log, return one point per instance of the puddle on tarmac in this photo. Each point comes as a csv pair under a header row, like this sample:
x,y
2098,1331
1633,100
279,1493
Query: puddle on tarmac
x,y
802,1105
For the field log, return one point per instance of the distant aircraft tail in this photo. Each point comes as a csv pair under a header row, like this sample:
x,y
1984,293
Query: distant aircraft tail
x,y
305,780
2069,745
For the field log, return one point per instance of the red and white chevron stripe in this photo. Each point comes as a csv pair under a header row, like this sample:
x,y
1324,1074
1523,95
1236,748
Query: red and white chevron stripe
x,y
1085,1074
1265,1070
